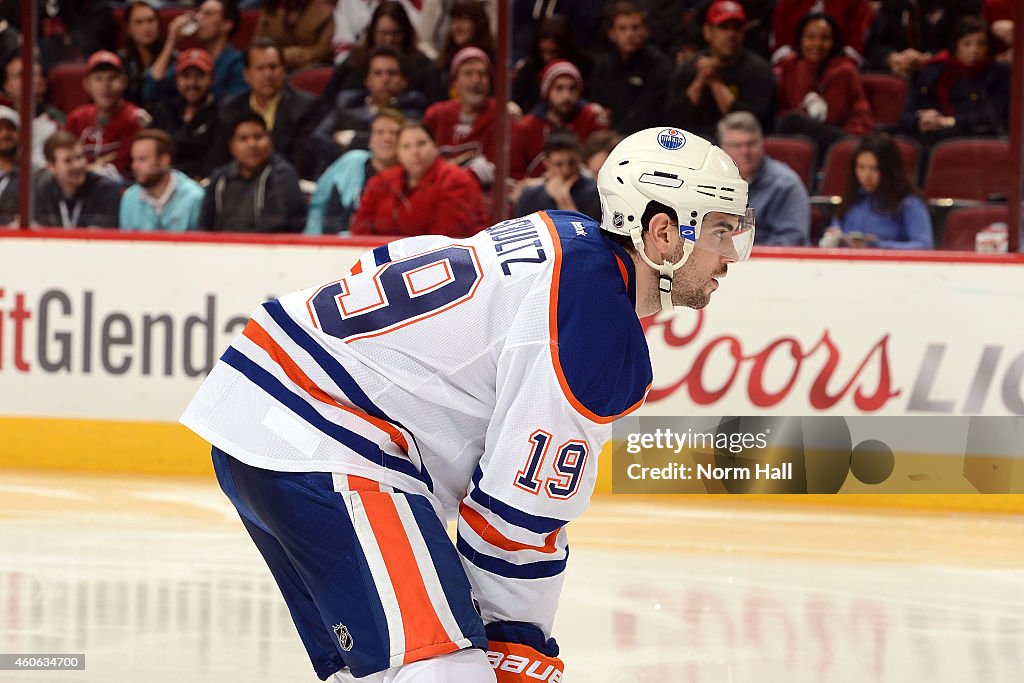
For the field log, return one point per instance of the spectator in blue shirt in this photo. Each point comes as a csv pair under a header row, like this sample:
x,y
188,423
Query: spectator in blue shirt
x,y
213,24
881,205
776,193
162,198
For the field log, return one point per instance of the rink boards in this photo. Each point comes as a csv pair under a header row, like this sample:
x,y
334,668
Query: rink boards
x,y
103,339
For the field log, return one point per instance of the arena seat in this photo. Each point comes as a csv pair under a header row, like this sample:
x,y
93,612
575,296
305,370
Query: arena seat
x,y
975,169
64,86
796,151
962,225
311,80
887,94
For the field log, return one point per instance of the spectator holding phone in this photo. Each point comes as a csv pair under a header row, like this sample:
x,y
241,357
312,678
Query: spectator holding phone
x,y
881,206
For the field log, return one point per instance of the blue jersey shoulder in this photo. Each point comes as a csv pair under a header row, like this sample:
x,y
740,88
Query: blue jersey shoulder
x,y
602,353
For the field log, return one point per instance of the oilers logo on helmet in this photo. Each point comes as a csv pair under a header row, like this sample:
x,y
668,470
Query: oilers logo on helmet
x,y
671,138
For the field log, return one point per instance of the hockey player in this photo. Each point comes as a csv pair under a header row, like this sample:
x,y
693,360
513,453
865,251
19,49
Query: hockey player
x,y
473,378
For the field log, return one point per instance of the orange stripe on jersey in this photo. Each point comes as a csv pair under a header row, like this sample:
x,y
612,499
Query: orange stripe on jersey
x,y
357,268
553,328
419,620
622,269
362,484
487,532
259,336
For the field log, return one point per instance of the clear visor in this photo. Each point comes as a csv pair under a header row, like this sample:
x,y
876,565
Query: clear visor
x,y
724,235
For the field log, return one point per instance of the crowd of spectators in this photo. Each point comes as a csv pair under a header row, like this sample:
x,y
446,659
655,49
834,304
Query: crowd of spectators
x,y
195,118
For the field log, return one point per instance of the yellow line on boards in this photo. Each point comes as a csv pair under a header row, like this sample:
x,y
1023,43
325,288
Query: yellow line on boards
x,y
102,446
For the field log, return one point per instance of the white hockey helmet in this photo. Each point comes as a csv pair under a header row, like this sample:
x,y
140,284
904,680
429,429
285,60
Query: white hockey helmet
x,y
685,172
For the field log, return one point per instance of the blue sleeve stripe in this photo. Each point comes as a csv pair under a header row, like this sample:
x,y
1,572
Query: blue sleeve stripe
x,y
533,570
335,370
355,442
511,515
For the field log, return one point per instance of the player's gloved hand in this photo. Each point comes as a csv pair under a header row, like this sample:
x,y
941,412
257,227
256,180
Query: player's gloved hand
x,y
518,653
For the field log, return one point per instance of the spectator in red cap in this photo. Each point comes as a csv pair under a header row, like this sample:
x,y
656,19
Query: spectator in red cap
x,y
464,127
107,127
561,107
214,23
723,77
192,118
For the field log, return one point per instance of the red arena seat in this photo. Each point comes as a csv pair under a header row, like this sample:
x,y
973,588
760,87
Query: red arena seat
x,y
796,151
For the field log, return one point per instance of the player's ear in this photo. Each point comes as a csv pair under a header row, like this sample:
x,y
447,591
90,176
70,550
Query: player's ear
x,y
661,230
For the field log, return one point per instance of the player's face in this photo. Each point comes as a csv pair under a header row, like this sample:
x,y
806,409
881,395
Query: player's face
x,y
816,41
251,146
745,148
695,281
384,79
473,83
265,73
628,33
193,85
383,141
726,39
105,86
564,164
564,95
865,166
68,166
148,167
972,48
416,152
143,25
8,139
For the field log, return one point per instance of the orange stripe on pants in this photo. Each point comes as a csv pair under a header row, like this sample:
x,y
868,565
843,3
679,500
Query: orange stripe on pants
x,y
423,630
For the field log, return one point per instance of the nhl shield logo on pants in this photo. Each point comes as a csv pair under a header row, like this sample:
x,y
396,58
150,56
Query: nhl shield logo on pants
x,y
344,637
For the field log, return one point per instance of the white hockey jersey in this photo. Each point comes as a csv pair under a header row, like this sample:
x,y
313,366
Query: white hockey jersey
x,y
481,372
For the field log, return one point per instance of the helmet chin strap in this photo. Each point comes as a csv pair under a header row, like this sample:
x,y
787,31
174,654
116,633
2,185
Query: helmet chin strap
x,y
665,271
